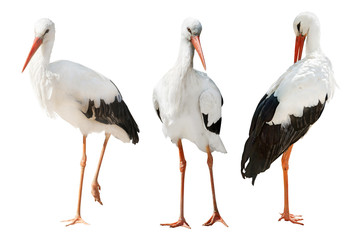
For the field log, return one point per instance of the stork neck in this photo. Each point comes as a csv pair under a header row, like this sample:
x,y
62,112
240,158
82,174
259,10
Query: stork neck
x,y
313,40
185,57
40,59
41,78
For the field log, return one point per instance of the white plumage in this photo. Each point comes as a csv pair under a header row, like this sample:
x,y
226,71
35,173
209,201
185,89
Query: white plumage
x,y
290,107
189,105
65,88
210,104
304,84
183,95
79,95
72,91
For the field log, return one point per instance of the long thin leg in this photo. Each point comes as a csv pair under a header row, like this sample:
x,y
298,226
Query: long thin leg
x,y
285,165
216,215
78,218
95,187
181,221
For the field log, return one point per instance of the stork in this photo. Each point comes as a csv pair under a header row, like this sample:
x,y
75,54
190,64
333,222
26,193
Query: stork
x,y
82,97
290,107
188,103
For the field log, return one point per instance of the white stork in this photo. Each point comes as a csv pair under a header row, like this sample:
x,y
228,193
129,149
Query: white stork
x,y
81,96
188,104
290,107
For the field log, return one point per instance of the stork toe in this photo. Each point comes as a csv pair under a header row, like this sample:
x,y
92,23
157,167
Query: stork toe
x,y
77,219
95,187
180,223
292,218
215,218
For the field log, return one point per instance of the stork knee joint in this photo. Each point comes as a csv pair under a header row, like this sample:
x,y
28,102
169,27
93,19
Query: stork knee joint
x,y
83,162
182,165
210,163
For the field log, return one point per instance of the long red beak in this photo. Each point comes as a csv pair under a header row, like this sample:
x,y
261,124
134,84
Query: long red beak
x,y
36,44
299,43
196,43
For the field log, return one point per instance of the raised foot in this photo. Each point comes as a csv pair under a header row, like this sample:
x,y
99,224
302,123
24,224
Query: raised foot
x,y
180,223
215,218
95,187
292,218
77,219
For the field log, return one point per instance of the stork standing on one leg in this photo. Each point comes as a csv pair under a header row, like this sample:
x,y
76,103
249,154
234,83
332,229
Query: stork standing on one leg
x,y
290,107
81,96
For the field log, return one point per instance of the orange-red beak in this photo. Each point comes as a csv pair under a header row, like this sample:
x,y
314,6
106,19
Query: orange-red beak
x,y
196,43
36,44
299,43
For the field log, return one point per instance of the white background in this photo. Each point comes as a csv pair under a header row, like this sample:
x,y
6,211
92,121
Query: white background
x,y
247,46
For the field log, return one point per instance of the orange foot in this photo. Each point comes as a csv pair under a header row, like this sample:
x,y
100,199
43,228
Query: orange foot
x,y
215,218
292,218
77,219
95,187
180,223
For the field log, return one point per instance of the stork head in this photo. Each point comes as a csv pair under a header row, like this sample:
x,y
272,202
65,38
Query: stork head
x,y
191,29
304,24
44,32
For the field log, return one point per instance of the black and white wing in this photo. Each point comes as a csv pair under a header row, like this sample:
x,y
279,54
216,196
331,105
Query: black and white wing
x,y
97,97
211,102
116,113
285,114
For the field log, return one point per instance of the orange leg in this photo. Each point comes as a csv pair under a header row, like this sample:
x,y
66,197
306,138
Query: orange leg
x,y
286,215
181,221
95,187
78,218
216,216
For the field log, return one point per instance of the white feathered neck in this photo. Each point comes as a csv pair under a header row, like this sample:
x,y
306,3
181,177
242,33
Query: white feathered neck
x,y
41,78
185,58
181,73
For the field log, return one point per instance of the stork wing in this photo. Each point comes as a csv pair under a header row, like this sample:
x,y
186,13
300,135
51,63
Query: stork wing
x,y
84,84
156,105
210,107
97,96
286,112
303,85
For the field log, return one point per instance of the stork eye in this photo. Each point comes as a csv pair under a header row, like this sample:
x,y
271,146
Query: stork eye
x,y
190,31
298,27
46,32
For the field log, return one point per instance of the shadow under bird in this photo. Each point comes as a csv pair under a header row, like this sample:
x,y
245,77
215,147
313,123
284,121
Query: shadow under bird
x,y
290,107
188,103
82,97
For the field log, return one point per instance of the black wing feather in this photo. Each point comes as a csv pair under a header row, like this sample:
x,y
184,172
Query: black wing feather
x,y
116,113
267,142
159,114
215,127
